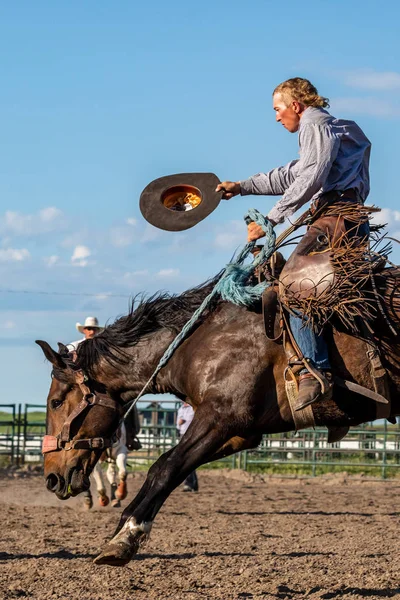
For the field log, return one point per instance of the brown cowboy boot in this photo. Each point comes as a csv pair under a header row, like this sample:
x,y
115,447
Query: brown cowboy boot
x,y
310,389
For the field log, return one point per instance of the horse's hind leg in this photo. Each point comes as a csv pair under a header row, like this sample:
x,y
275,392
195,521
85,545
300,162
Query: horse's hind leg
x,y
174,467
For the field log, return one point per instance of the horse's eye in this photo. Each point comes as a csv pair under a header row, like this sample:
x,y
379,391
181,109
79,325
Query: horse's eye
x,y
56,403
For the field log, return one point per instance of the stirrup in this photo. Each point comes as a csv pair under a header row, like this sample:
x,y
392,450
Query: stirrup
x,y
325,392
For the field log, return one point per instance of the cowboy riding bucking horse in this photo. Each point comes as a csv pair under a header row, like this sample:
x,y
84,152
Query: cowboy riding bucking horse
x,y
338,325
332,171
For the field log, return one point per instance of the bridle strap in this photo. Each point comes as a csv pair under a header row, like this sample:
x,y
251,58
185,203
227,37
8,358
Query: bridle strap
x,y
52,443
66,428
87,401
80,379
64,440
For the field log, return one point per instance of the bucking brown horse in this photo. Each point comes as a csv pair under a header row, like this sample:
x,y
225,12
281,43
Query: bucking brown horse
x,y
232,374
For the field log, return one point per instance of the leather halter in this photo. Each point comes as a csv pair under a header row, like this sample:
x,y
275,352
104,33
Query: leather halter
x,y
64,440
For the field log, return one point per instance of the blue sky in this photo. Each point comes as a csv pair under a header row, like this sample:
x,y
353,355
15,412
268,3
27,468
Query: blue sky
x,y
99,98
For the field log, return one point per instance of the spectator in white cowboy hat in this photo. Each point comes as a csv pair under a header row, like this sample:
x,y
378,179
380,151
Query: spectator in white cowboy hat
x,y
89,329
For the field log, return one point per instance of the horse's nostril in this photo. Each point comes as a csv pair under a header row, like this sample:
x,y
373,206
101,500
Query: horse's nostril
x,y
53,482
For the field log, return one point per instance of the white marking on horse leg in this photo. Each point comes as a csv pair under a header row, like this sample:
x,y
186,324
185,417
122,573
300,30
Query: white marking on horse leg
x,y
132,531
144,526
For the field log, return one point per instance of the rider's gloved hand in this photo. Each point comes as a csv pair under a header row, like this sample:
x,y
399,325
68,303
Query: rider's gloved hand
x,y
254,232
230,189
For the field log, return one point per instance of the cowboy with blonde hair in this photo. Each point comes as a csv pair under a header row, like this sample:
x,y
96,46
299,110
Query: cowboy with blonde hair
x,y
333,166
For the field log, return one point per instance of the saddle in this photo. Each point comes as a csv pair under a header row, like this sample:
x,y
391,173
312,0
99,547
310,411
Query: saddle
x,y
326,275
309,274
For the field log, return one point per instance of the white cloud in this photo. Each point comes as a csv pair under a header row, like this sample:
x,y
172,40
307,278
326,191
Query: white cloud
x,y
168,273
9,324
14,254
51,260
80,252
79,256
131,221
368,79
232,235
386,215
17,223
50,214
46,220
374,107
390,218
142,273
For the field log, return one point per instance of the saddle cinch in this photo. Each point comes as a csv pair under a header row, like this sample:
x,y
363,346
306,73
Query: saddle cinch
x,y
326,276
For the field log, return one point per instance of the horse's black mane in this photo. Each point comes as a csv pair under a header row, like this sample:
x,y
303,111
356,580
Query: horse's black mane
x,y
160,311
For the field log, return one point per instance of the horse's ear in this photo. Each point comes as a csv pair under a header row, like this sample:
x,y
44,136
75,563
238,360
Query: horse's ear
x,y
51,355
62,348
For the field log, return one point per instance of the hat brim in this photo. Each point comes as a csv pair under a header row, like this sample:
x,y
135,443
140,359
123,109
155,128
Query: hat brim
x,y
156,213
80,327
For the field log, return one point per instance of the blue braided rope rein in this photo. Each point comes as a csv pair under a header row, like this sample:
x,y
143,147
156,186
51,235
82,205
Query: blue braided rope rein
x,y
231,287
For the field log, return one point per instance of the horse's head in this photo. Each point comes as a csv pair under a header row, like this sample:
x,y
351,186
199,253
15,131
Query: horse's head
x,y
80,423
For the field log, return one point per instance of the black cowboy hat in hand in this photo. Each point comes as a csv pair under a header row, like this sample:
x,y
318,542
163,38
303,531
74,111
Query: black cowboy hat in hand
x,y
180,201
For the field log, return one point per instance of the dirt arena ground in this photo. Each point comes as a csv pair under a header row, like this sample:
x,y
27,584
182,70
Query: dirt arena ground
x,y
240,537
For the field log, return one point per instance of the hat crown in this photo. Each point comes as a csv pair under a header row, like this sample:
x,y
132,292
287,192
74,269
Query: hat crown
x,y
91,322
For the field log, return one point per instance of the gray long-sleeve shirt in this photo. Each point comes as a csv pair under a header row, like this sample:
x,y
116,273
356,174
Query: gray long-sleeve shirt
x,y
334,155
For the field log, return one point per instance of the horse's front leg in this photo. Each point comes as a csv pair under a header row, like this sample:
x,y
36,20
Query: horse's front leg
x,y
151,475
124,545
198,446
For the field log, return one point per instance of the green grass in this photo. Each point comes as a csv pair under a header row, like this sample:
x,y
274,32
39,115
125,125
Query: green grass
x,y
299,470
39,418
6,419
5,416
35,416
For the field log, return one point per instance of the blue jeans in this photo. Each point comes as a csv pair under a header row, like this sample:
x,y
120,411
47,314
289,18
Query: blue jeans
x,y
312,345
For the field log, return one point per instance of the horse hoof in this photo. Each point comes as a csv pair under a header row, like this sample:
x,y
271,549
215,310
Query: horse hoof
x,y
88,503
116,555
104,500
122,490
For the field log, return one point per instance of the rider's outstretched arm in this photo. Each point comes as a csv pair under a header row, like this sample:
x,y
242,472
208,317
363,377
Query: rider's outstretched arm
x,y
273,183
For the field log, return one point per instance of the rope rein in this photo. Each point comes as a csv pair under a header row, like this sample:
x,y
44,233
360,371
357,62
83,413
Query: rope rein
x,y
231,287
